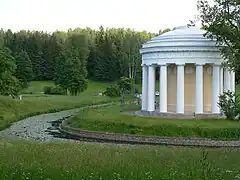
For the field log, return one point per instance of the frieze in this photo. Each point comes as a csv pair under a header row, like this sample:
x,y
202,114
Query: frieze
x,y
182,54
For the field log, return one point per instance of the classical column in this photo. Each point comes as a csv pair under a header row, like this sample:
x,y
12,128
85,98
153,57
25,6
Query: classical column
x,y
144,87
151,88
227,80
180,88
232,77
221,80
199,89
215,88
163,88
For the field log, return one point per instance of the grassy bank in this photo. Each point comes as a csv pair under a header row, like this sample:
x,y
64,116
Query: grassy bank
x,y
36,103
110,119
73,161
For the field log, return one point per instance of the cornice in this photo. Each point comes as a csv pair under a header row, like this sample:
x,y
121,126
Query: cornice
x,y
178,49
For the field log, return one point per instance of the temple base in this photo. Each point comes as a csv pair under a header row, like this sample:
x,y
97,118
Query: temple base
x,y
173,115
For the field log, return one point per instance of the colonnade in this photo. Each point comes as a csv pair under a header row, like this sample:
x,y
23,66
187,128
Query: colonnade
x,y
220,83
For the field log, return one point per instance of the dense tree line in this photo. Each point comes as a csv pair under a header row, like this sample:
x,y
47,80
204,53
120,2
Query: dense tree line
x,y
69,58
108,53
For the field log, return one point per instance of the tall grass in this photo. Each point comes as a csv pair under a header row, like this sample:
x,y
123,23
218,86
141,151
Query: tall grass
x,y
31,160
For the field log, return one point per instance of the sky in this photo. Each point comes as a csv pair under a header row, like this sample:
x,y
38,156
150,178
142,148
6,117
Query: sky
x,y
51,15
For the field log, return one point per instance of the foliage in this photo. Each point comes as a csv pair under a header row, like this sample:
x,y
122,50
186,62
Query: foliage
x,y
229,104
60,71
73,65
69,58
47,89
9,84
112,91
108,53
54,90
122,87
222,22
77,84
125,85
24,68
110,119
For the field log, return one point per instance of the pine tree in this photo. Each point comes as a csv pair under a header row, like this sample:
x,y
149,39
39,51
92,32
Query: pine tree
x,y
24,68
73,64
60,71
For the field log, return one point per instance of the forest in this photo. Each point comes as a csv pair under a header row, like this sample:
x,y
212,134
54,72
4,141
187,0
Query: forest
x,y
69,58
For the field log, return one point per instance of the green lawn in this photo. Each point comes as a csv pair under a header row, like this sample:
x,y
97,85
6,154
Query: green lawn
x,y
31,160
12,110
37,87
110,119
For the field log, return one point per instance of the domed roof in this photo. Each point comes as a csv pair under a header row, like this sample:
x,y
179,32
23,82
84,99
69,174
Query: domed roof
x,y
180,37
183,31
182,45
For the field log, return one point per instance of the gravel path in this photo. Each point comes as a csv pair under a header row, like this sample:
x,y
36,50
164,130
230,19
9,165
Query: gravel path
x,y
38,127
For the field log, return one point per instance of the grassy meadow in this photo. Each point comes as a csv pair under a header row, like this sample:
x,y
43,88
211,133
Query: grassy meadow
x,y
35,102
75,161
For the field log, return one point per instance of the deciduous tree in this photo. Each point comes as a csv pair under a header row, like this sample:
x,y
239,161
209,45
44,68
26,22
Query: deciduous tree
x,y
222,22
9,84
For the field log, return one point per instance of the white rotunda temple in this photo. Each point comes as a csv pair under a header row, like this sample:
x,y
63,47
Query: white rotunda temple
x,y
191,75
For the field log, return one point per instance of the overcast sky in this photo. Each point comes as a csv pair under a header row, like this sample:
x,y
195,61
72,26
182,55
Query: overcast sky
x,y
50,15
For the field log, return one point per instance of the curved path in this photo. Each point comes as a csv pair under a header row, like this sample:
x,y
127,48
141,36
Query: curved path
x,y
41,128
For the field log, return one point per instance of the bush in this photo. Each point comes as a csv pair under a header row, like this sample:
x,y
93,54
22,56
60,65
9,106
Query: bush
x,y
47,89
112,91
77,84
58,91
54,90
229,105
124,86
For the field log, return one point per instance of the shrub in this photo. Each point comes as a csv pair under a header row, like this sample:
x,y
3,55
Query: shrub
x,y
112,91
229,105
54,90
58,91
47,89
124,86
77,84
